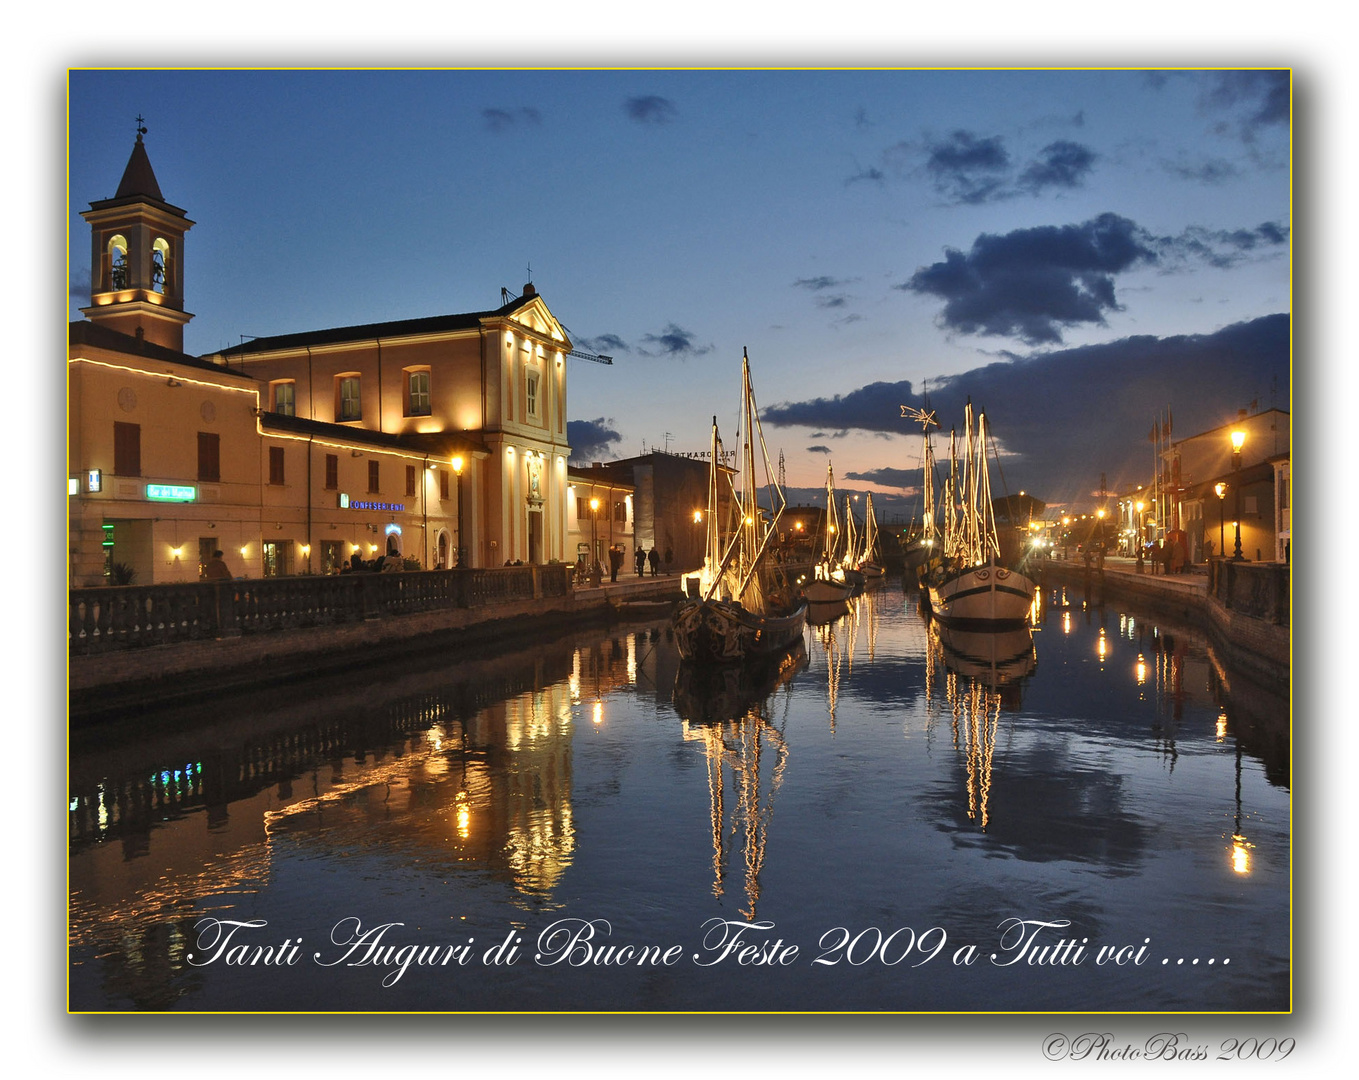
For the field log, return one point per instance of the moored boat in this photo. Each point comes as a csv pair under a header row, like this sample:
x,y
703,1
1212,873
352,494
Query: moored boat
x,y
747,608
973,586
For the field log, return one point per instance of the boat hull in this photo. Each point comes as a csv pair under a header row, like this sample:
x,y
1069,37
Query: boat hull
x,y
722,632
981,597
821,591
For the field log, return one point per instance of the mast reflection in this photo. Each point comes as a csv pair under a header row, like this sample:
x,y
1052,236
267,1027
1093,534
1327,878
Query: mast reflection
x,y
727,712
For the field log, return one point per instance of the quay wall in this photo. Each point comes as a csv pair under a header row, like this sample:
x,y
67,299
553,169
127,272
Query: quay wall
x,y
1244,608
131,646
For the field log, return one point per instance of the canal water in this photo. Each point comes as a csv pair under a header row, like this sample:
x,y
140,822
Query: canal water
x,y
1091,816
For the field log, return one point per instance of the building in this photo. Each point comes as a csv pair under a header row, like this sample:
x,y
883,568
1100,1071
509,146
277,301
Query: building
x,y
295,453
1206,489
670,500
599,516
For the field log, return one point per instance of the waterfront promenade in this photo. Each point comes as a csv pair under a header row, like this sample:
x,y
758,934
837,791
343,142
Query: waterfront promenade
x,y
130,645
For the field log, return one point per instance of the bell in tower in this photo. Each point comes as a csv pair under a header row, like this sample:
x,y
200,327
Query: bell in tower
x,y
137,257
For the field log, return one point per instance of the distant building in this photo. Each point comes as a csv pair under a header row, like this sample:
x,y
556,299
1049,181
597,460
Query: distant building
x,y
670,500
1192,468
599,515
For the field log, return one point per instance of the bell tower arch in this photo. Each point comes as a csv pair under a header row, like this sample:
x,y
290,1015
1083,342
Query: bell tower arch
x,y
137,257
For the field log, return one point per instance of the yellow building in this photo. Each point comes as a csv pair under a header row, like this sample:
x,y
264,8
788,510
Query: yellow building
x,y
293,454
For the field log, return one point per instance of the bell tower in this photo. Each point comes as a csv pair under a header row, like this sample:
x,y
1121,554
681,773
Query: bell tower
x,y
137,257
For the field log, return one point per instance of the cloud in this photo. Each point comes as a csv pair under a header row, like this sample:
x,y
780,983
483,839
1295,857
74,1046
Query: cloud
x,y
1032,283
888,477
79,286
499,120
1215,171
605,343
650,109
872,174
1066,417
819,448
966,168
970,169
673,341
591,439
817,284
1252,100
1062,164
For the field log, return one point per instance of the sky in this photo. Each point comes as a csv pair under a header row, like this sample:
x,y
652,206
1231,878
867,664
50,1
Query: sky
x,y
1076,251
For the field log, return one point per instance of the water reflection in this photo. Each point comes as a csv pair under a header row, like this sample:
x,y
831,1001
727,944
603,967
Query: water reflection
x,y
1100,766
727,711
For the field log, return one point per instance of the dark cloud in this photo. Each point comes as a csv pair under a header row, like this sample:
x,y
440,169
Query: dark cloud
x,y
1222,248
819,448
499,120
1065,417
888,477
1031,284
650,109
1062,164
1216,171
1253,100
871,174
605,343
591,439
79,285
966,168
816,284
673,341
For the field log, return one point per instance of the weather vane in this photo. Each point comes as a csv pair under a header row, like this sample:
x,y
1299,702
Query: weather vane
x,y
141,125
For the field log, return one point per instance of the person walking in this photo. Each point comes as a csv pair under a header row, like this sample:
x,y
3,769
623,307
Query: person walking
x,y
641,562
654,559
615,562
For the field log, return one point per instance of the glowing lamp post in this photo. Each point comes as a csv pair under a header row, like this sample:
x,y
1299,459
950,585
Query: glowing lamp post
x,y
1238,441
1220,490
462,549
594,541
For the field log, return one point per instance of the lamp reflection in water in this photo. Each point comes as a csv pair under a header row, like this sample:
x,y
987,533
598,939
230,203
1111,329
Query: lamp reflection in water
x,y
1241,847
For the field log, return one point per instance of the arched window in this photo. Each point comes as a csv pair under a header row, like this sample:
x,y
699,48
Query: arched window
x,y
160,264
117,262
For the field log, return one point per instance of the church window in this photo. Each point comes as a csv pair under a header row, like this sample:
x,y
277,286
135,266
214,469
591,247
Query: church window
x,y
209,456
285,398
160,262
417,393
118,262
127,449
532,396
347,405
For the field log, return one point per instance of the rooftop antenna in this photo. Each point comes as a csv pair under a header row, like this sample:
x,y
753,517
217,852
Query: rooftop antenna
x,y
668,437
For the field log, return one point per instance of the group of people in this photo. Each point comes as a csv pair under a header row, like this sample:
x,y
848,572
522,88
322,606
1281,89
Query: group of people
x,y
641,559
390,563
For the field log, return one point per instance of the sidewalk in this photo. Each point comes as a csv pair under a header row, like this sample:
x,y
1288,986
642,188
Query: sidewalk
x,y
1192,583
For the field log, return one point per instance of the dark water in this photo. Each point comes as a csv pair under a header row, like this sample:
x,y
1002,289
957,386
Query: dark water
x,y
884,824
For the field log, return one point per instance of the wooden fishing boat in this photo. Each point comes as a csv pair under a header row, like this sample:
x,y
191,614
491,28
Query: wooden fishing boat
x,y
870,559
747,607
829,587
973,586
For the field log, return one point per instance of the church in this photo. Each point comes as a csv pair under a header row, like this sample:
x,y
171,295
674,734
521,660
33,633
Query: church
x,y
440,438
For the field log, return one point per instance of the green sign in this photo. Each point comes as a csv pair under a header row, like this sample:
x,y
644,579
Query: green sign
x,y
171,492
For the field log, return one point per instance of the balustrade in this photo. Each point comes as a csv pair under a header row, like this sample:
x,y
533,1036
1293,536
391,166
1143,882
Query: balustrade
x,y
129,616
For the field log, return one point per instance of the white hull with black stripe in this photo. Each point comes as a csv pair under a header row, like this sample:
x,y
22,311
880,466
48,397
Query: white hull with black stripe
x,y
981,597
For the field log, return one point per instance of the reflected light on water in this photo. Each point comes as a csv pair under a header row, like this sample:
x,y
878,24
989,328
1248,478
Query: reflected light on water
x,y
1141,670
1240,854
1102,647
598,712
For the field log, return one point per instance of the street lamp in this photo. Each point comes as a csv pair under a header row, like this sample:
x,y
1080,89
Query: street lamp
x,y
594,542
462,549
1140,553
1220,490
1238,441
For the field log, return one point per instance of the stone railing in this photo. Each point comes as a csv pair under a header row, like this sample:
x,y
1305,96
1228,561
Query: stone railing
x,y
131,616
1259,590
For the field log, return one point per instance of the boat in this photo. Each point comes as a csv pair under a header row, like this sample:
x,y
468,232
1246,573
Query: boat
x,y
870,559
747,608
829,587
974,586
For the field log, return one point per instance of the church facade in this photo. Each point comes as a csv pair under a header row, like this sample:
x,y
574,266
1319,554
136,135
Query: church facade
x,y
442,438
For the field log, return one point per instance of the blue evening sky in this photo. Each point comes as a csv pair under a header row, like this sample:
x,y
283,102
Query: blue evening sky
x,y
852,228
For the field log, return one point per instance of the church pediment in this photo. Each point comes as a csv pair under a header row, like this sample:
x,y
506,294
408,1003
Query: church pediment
x,y
535,318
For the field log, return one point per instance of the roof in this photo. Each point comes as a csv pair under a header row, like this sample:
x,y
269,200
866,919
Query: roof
x,y
98,336
138,183
440,445
431,324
